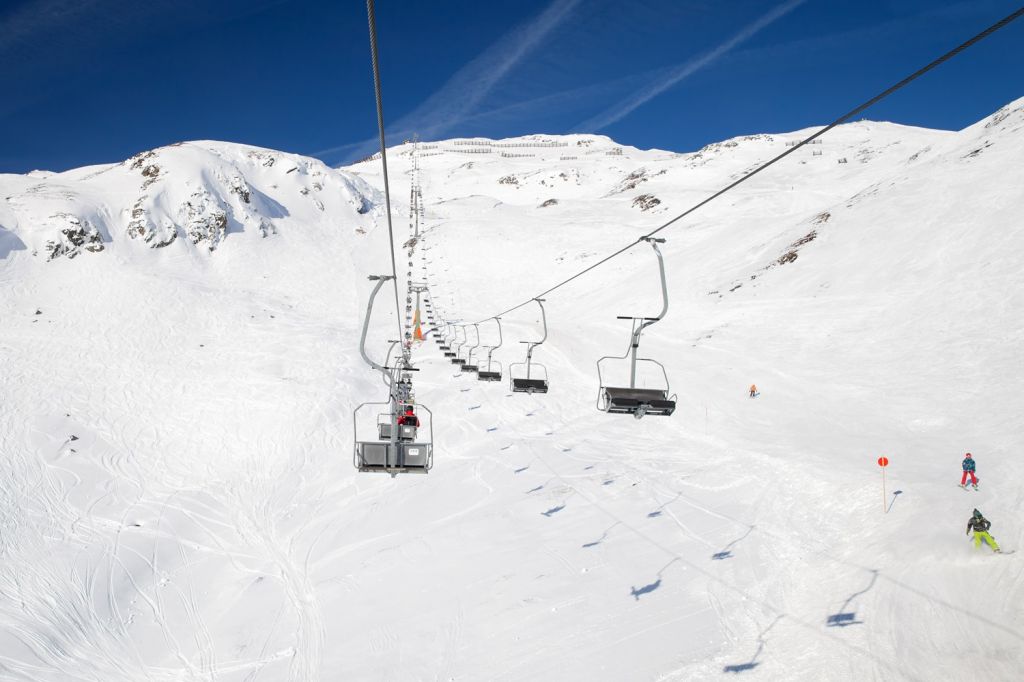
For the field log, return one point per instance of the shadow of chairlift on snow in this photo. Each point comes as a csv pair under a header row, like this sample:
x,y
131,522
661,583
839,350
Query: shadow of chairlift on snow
x,y
844,617
554,510
753,662
604,536
661,507
726,552
637,592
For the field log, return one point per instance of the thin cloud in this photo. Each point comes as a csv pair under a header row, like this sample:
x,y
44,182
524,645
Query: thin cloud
x,y
25,23
459,98
45,37
677,74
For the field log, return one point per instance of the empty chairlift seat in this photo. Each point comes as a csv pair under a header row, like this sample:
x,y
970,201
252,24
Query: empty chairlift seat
x,y
487,375
639,400
528,380
454,353
636,400
469,365
524,385
492,372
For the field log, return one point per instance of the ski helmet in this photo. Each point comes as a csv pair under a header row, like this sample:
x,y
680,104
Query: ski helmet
x,y
967,456
977,514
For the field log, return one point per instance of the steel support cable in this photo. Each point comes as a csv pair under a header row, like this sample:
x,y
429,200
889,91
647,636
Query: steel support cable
x,y
384,162
842,119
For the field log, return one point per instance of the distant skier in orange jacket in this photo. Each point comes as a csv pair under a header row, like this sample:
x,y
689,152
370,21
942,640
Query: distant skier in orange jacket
x,y
753,390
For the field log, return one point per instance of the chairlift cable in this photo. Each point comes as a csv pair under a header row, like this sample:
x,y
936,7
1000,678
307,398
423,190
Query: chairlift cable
x,y
842,119
384,160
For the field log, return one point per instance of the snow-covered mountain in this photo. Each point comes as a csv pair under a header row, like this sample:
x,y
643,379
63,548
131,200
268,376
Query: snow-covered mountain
x,y
179,366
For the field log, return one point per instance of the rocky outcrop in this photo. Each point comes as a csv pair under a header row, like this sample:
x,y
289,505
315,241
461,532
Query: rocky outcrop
x,y
75,236
205,221
646,202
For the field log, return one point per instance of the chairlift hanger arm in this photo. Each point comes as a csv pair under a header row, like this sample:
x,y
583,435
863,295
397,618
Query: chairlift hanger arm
x,y
543,319
380,279
387,360
664,286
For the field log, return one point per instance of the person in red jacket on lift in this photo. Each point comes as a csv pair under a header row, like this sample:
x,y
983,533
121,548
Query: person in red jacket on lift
x,y
409,418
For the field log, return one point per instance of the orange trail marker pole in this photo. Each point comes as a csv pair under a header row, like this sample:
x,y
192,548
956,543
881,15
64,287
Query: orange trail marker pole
x,y
883,462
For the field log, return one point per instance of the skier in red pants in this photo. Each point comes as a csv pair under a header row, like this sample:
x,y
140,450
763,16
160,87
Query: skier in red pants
x,y
968,467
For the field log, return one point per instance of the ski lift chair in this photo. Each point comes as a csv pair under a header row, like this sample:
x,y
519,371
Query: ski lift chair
x,y
634,400
490,374
528,381
446,347
394,448
456,360
393,453
468,366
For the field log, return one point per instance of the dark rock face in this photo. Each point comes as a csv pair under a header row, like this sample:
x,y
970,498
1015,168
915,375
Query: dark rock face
x,y
205,221
76,235
239,187
646,202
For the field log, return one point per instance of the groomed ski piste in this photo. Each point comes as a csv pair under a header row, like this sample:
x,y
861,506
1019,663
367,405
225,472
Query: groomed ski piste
x,y
179,368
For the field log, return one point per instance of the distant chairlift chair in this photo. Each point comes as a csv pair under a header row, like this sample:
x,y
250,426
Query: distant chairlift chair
x,y
530,383
447,347
456,360
469,366
492,374
631,399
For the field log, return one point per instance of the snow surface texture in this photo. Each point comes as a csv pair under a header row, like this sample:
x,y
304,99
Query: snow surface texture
x,y
178,370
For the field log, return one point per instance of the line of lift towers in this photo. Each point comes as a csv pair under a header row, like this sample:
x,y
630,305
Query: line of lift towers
x,y
403,436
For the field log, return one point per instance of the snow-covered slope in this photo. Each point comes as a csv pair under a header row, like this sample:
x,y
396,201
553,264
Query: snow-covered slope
x,y
178,368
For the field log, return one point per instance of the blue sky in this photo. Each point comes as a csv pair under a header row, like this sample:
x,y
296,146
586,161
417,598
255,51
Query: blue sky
x,y
94,81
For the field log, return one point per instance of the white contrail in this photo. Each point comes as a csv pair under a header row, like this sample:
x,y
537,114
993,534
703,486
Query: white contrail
x,y
459,97
649,92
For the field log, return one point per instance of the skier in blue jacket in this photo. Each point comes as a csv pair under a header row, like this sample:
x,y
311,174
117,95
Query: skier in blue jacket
x,y
968,467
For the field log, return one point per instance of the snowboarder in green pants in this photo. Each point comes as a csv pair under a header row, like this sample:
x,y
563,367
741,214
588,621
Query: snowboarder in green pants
x,y
980,525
